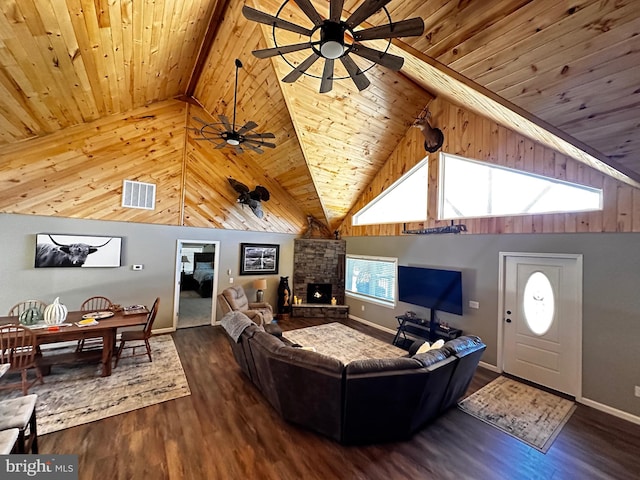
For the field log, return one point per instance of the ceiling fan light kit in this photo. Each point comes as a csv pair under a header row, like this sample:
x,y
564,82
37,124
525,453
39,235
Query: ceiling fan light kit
x,y
226,133
332,43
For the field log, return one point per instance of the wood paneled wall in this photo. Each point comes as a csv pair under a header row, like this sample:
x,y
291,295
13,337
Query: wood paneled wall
x,y
210,201
475,137
78,173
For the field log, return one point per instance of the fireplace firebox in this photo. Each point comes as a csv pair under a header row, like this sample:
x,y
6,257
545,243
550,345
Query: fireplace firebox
x,y
319,293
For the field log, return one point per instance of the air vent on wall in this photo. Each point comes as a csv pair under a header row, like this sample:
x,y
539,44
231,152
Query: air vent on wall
x,y
138,195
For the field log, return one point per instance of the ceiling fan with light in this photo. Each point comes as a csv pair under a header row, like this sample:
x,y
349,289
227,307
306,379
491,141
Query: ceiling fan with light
x,y
226,133
335,39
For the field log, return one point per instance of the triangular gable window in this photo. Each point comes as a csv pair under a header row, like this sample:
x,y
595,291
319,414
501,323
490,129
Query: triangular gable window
x,y
471,189
404,201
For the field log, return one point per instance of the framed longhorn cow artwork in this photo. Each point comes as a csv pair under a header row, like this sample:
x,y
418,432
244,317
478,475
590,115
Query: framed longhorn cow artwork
x,y
57,250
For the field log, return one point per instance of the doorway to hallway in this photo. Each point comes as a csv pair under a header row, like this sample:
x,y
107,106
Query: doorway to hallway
x,y
196,283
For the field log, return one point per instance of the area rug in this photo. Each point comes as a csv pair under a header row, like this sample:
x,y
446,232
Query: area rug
x,y
524,412
77,394
344,343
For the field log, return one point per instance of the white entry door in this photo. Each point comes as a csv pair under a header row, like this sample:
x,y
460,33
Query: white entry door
x,y
542,319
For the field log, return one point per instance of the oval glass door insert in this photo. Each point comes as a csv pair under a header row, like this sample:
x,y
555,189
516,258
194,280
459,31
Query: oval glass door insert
x,y
538,303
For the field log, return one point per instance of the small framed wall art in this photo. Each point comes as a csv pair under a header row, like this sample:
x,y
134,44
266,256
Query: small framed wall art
x,y
258,259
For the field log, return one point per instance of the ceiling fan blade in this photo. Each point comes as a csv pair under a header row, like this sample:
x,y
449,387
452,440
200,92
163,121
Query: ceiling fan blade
x,y
364,11
247,126
256,149
239,149
388,60
405,28
272,52
225,122
261,17
335,11
260,135
198,119
358,77
261,144
300,69
327,76
310,11
221,145
210,128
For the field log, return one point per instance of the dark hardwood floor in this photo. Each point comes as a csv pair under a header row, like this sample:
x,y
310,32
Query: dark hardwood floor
x,y
226,430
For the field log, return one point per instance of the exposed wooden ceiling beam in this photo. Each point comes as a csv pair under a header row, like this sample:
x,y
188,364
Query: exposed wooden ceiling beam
x,y
448,83
212,31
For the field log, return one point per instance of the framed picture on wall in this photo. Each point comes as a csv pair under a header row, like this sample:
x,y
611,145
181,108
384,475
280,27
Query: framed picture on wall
x,y
258,259
56,250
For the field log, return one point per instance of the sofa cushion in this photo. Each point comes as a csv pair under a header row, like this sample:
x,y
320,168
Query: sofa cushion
x,y
380,398
382,365
463,344
309,389
432,356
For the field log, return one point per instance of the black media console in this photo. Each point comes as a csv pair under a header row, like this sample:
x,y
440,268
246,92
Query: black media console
x,y
414,328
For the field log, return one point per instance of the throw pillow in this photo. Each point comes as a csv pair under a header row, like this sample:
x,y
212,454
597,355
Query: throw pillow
x,y
425,347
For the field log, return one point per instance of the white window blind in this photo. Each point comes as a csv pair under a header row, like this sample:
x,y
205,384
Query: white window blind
x,y
372,278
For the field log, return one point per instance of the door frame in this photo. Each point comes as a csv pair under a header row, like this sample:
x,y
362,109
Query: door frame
x,y
178,271
577,257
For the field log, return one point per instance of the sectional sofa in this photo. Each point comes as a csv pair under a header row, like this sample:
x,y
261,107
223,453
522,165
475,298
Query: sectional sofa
x,y
365,401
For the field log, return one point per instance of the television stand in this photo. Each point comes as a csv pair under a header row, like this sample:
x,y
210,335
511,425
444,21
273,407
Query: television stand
x,y
415,328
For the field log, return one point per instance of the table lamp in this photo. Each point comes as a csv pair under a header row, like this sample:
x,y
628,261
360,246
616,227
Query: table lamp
x,y
185,259
260,285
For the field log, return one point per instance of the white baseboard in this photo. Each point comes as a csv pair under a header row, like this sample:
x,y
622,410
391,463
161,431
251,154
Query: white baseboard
x,y
488,366
611,411
585,401
160,331
371,324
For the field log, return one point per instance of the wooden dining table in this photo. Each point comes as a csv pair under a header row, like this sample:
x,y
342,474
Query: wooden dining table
x,y
106,329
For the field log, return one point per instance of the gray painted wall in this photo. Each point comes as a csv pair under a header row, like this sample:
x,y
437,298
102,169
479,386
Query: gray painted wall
x,y
154,246
611,296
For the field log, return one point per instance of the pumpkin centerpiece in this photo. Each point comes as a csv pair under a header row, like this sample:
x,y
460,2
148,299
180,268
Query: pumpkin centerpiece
x,y
30,316
55,313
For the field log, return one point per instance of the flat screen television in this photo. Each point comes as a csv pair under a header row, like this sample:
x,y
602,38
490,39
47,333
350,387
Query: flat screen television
x,y
432,288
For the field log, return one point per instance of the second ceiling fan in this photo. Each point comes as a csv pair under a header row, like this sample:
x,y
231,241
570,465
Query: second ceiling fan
x,y
335,39
227,133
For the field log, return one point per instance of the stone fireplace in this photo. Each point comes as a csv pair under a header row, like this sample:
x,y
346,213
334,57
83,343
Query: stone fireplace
x,y
319,261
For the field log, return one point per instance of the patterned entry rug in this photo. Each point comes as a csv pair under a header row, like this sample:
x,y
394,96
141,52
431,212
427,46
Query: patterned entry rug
x,y
77,394
525,412
344,343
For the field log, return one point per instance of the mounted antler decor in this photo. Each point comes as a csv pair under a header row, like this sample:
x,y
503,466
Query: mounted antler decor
x,y
227,134
334,39
433,137
251,198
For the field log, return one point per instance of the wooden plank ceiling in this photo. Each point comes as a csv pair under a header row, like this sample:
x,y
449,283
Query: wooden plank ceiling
x,y
563,73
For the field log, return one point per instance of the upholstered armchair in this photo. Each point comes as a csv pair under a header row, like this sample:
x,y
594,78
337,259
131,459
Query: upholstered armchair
x,y
235,299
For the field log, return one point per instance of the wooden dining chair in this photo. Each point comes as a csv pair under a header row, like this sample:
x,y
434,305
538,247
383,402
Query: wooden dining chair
x,y
18,308
139,338
18,347
93,304
96,304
